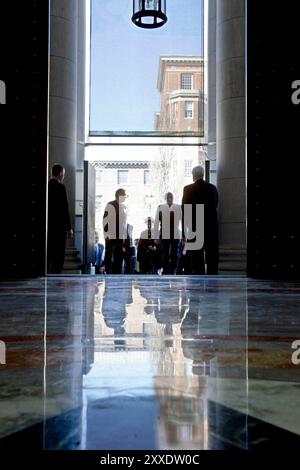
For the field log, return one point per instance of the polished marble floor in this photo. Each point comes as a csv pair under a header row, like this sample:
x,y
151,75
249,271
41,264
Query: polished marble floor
x,y
149,363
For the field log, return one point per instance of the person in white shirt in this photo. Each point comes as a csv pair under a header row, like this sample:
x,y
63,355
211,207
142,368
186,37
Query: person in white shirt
x,y
167,229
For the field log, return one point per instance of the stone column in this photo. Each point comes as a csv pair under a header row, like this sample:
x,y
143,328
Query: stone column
x,y
81,71
81,74
212,11
231,133
63,91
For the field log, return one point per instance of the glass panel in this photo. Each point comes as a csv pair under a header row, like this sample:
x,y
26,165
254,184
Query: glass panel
x,y
146,4
136,84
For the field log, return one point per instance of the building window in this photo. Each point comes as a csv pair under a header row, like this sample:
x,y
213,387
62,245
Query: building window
x,y
188,109
147,177
188,168
123,176
99,176
98,201
186,82
175,111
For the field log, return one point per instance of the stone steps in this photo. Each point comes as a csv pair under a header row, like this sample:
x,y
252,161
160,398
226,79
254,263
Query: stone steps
x,y
232,261
72,264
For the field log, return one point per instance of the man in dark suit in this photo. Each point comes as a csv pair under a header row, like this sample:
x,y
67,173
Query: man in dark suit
x,y
148,254
59,224
167,230
130,252
201,192
115,232
99,252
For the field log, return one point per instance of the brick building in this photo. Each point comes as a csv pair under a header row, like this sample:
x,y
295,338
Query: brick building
x,y
181,87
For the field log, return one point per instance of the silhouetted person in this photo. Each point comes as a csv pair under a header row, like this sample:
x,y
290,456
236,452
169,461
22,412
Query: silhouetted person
x,y
201,192
59,224
129,252
167,229
183,265
148,250
115,232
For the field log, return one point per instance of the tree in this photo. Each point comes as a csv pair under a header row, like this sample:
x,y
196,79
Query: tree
x,y
164,175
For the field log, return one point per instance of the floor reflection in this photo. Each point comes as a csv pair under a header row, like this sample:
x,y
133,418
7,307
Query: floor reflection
x,y
150,350
148,363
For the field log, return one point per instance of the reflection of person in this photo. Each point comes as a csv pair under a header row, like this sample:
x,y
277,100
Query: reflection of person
x,y
115,232
114,309
159,305
190,328
204,193
165,317
167,229
148,250
99,255
59,224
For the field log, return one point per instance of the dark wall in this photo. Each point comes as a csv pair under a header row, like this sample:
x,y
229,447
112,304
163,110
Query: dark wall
x,y
23,136
273,140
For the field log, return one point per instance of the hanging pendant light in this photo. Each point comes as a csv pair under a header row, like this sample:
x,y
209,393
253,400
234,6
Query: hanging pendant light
x,y
149,14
